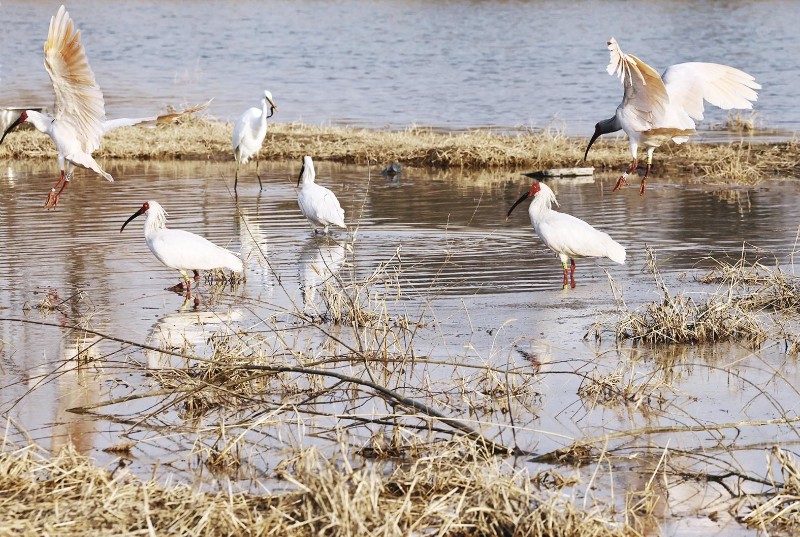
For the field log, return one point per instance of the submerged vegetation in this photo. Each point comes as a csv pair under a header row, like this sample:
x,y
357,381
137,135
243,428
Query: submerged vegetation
x,y
528,149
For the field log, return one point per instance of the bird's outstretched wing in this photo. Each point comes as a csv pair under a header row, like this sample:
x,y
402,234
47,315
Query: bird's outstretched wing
x,y
646,98
79,101
723,86
112,124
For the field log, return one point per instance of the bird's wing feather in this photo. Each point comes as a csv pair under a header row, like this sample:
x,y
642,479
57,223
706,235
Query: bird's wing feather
x,y
320,204
564,233
246,127
646,97
688,84
185,250
79,101
152,120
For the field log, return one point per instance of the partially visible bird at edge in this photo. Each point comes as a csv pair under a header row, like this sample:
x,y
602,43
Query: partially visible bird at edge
x,y
569,237
182,250
249,133
79,121
656,109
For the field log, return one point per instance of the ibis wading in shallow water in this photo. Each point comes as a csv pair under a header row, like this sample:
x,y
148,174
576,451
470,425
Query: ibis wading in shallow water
x,y
656,109
79,121
316,202
249,133
182,250
567,236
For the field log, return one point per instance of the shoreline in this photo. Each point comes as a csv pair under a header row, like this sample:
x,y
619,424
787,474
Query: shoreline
x,y
201,139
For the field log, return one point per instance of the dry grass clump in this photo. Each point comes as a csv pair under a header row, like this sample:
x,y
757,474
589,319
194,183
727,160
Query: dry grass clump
x,y
622,387
781,509
680,319
450,489
198,138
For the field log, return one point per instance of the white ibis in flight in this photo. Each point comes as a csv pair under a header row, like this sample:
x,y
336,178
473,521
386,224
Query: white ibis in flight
x,y
79,122
249,133
316,202
182,250
567,236
656,109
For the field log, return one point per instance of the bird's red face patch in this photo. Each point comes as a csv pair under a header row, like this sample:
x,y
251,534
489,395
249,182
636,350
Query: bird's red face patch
x,y
535,188
145,207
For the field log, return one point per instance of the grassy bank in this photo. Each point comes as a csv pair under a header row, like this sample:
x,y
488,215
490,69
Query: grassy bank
x,y
203,139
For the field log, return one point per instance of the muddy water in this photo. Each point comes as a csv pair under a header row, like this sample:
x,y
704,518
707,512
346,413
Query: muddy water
x,y
451,64
487,291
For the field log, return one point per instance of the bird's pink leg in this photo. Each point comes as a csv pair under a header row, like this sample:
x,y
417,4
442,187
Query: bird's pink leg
x,y
623,178
571,274
52,196
196,276
566,273
646,173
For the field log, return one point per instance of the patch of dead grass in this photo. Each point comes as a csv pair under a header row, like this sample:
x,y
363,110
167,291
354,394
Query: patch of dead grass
x,y
198,138
451,489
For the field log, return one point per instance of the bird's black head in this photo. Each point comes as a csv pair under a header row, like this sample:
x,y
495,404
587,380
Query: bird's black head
x,y
22,118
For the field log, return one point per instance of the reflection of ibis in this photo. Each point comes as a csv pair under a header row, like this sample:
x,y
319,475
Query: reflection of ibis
x,y
249,133
182,250
567,236
186,332
656,109
79,121
317,203
320,260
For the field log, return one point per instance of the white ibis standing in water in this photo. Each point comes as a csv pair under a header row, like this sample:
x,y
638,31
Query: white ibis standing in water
x,y
249,133
567,236
182,250
656,109
316,202
79,123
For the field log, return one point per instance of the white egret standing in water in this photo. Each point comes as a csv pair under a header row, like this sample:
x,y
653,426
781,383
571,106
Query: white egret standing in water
x,y
249,133
656,109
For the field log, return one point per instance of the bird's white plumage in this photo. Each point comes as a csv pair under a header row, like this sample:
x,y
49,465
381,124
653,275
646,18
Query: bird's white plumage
x,y
656,109
569,237
674,100
249,132
182,250
316,202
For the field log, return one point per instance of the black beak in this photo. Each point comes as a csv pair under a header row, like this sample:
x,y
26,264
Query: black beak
x,y
272,111
520,200
595,136
11,128
134,215
301,175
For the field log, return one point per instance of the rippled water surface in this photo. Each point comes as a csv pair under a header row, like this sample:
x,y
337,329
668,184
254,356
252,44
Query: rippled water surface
x,y
489,290
448,64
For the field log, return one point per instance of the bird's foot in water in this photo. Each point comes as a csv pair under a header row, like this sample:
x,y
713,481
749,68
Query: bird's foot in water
x,y
620,183
52,199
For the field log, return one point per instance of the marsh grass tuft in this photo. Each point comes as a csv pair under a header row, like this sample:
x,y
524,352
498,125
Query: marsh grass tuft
x,y
446,489
779,510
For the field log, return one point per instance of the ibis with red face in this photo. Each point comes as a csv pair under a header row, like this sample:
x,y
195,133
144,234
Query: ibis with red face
x,y
182,250
567,236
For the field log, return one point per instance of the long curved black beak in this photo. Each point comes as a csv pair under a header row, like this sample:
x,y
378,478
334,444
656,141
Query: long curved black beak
x,y
520,200
11,128
134,215
299,177
595,136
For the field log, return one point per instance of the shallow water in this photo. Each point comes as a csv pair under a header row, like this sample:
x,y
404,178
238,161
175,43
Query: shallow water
x,y
450,64
487,291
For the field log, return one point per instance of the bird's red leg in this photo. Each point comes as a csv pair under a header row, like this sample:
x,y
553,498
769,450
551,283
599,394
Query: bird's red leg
x,y
622,180
571,274
566,272
644,179
52,196
196,276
